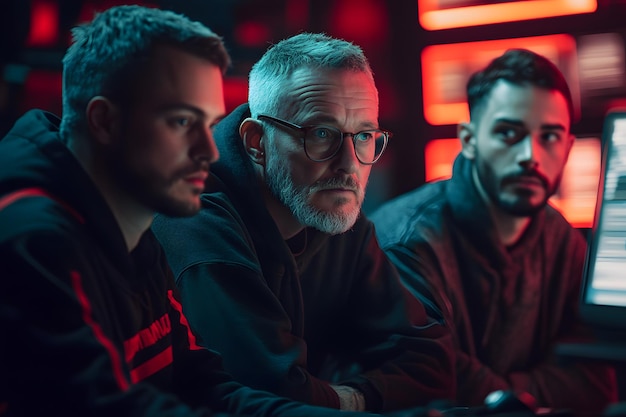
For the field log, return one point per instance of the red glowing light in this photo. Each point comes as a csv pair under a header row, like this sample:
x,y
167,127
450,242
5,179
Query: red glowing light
x,y
432,16
252,34
365,22
446,69
44,24
235,92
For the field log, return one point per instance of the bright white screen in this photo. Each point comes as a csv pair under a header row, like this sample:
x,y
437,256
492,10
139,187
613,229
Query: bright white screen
x,y
607,282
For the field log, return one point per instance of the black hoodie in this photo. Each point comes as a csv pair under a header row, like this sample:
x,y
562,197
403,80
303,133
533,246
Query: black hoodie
x,y
89,329
291,324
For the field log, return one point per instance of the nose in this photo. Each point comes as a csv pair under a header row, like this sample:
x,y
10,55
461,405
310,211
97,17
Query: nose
x,y
527,152
205,148
346,158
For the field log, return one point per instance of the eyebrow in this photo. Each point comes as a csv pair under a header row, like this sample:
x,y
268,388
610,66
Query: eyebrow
x,y
183,106
545,126
329,120
179,106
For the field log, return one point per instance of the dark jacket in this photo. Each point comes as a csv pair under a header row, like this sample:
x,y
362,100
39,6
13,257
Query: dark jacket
x,y
87,328
290,324
506,307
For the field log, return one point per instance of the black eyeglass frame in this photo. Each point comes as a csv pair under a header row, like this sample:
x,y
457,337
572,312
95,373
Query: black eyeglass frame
x,y
304,129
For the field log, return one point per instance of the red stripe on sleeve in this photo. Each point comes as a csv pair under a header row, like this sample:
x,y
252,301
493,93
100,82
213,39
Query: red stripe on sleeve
x,y
118,373
193,345
152,365
37,192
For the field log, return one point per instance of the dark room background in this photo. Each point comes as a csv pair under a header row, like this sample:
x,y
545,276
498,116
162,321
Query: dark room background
x,y
422,52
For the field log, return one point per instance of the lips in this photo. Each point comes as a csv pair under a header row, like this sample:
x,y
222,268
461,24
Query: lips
x,y
349,185
528,180
197,179
346,189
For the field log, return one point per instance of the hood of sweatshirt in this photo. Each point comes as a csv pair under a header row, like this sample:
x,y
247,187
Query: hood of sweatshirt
x,y
32,155
235,172
472,214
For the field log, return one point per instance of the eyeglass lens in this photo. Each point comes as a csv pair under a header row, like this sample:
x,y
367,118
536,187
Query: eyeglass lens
x,y
322,142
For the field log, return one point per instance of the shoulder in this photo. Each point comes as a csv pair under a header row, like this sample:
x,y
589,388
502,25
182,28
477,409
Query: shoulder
x,y
404,218
216,234
40,234
559,230
557,223
32,211
217,216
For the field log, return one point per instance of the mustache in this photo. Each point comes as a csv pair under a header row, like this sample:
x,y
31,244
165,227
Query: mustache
x,y
197,167
527,173
334,183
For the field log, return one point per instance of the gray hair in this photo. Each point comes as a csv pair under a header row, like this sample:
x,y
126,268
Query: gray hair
x,y
313,50
107,54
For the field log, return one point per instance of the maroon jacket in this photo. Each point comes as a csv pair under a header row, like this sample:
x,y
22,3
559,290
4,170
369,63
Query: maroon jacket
x,y
506,307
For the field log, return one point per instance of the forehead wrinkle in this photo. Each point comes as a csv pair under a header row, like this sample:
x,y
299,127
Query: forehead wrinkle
x,y
305,83
529,104
317,107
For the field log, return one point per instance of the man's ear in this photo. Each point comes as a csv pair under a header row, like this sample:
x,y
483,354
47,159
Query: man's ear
x,y
465,132
102,119
251,132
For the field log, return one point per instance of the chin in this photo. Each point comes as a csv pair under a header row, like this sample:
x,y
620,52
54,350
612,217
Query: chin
x,y
339,206
525,209
332,222
179,208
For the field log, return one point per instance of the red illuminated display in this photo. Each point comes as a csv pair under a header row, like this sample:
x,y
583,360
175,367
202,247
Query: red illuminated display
x,y
446,69
446,14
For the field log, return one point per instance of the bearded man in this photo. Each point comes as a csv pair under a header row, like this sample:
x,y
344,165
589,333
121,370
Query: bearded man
x,y
486,251
279,271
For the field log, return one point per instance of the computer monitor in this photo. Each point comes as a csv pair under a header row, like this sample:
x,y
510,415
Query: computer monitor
x,y
603,295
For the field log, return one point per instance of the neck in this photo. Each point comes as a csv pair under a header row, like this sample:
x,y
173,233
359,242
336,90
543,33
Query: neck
x,y
132,218
508,228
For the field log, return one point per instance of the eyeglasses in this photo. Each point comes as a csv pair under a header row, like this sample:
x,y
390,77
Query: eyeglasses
x,y
322,143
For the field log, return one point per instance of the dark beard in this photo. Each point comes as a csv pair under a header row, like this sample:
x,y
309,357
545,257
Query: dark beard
x,y
520,207
146,190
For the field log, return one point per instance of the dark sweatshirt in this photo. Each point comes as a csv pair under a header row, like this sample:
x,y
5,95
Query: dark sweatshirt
x,y
89,329
292,324
507,307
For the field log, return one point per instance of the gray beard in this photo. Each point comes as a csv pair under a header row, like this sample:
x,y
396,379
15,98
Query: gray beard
x,y
280,183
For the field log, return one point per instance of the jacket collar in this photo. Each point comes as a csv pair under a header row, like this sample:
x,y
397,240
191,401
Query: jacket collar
x,y
471,214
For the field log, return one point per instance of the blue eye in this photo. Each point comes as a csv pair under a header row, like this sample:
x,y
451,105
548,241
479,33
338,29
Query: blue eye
x,y
322,134
365,136
178,122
